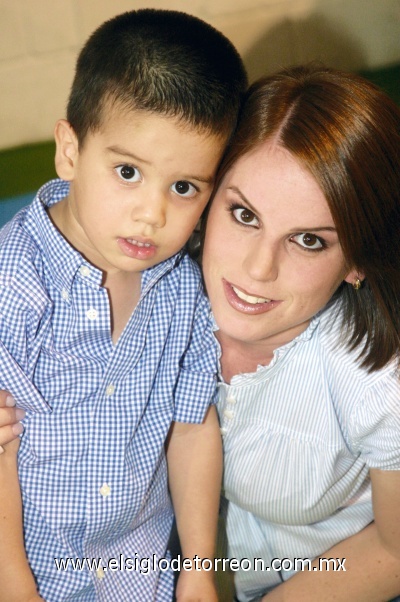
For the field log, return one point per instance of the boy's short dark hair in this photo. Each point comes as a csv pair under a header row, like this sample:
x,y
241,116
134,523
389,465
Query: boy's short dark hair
x,y
161,61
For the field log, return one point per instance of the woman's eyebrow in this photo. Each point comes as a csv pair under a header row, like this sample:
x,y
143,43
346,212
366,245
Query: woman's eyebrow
x,y
237,191
316,229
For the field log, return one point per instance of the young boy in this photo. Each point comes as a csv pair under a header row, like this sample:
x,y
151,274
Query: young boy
x,y
105,337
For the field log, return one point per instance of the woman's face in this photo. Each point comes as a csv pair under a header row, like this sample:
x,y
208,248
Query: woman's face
x,y
272,257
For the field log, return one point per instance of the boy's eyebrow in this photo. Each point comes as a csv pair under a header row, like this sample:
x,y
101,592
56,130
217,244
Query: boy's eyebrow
x,y
118,150
122,152
236,190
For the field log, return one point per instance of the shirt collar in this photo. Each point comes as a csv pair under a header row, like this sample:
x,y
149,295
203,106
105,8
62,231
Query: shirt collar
x,y
63,261
280,355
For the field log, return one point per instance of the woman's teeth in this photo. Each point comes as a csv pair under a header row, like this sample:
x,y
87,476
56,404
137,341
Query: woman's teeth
x,y
132,241
249,298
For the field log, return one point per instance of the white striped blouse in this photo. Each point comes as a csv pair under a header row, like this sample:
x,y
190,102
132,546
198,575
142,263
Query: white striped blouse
x,y
299,438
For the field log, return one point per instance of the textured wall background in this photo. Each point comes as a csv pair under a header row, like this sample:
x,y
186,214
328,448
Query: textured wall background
x,y
39,41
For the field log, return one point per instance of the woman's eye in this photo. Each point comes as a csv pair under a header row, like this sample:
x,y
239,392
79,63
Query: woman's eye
x,y
245,216
183,188
308,241
128,173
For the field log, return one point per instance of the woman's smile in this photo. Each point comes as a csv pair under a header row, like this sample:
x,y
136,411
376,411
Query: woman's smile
x,y
246,302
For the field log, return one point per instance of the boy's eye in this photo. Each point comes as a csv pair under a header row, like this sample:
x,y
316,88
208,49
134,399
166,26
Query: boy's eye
x,y
128,173
308,241
245,216
183,188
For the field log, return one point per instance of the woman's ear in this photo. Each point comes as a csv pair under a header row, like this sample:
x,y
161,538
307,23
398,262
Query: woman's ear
x,y
354,277
67,150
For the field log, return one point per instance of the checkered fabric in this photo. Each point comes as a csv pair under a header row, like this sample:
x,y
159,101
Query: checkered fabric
x,y
92,464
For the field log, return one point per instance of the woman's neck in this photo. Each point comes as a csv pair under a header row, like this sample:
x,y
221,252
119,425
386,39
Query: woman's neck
x,y
239,357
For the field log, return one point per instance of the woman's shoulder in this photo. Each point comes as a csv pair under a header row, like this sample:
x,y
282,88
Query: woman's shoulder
x,y
366,402
343,360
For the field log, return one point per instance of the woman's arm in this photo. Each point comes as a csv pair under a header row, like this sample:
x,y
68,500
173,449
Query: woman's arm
x,y
194,456
372,557
17,582
16,579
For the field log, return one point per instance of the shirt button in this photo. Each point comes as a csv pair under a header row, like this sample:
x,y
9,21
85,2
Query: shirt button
x,y
228,414
105,490
84,271
223,431
64,294
100,574
231,400
91,314
110,390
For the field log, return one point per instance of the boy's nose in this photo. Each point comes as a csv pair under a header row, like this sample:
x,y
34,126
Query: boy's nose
x,y
151,210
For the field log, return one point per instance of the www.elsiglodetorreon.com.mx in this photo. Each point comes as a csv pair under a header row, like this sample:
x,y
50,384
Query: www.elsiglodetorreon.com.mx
x,y
154,563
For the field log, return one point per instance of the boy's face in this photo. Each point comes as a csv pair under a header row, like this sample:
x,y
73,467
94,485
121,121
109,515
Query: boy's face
x,y
138,188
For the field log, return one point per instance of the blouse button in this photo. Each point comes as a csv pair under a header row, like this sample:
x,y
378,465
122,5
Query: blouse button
x,y
91,314
223,431
228,414
231,400
65,295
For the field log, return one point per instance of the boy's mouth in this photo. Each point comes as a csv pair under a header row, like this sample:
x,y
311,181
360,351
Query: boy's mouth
x,y
137,249
133,241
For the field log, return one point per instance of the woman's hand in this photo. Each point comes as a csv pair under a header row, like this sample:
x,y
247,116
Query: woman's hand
x,y
196,586
10,427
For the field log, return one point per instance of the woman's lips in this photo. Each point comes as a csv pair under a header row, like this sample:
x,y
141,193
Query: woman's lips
x,y
136,248
246,303
249,298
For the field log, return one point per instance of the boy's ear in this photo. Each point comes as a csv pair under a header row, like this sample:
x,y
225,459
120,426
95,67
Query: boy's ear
x,y
67,150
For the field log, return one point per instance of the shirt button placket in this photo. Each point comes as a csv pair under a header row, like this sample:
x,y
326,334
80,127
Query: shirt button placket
x,y
228,414
105,489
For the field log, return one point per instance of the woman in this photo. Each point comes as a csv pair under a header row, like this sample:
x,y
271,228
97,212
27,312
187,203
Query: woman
x,y
301,263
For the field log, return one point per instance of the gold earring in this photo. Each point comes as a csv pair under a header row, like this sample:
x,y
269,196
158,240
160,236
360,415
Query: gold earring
x,y
357,284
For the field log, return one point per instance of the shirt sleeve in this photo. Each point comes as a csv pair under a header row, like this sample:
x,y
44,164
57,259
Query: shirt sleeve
x,y
196,388
19,327
376,424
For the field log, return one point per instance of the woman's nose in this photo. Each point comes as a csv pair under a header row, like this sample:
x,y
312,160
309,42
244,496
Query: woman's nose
x,y
262,261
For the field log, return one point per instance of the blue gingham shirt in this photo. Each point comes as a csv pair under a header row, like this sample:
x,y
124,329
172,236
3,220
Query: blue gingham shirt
x,y
300,436
92,465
